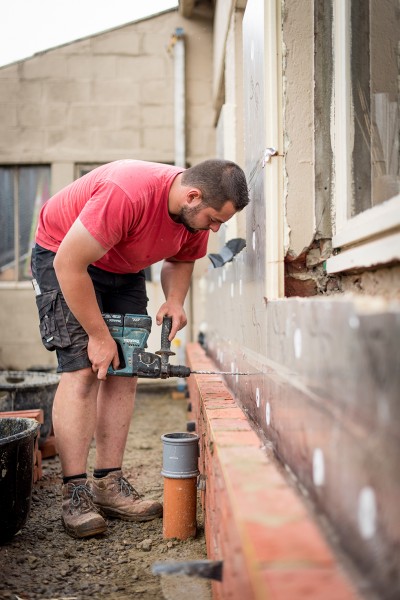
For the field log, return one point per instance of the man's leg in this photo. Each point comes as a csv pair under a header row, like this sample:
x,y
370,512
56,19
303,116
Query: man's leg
x,y
112,492
74,421
115,402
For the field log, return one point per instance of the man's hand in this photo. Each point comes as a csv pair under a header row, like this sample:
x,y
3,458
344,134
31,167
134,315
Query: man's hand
x,y
175,281
177,312
102,352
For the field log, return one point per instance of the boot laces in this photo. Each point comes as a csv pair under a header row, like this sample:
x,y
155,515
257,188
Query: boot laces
x,y
127,489
82,497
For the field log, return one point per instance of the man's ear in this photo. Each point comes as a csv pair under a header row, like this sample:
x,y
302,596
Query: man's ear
x,y
194,197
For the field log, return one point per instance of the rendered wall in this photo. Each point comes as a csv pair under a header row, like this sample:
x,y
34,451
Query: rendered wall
x,y
108,96
326,390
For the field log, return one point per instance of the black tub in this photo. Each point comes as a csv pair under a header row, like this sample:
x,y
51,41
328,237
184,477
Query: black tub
x,y
23,390
17,441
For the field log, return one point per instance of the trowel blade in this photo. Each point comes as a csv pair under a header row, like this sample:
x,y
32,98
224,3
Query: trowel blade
x,y
208,569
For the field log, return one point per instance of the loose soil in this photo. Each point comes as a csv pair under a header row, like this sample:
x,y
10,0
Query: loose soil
x,y
42,562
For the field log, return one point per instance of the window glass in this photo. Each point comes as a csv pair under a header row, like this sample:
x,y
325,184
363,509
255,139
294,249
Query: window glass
x,y
23,191
83,169
7,246
375,61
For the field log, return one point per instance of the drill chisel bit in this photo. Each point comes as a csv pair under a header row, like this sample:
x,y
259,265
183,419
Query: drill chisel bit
x,y
223,373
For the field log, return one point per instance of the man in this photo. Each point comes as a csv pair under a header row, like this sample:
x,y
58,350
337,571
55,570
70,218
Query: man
x,y
93,240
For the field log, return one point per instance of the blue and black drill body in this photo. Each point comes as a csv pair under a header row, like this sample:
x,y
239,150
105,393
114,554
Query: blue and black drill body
x,y
130,333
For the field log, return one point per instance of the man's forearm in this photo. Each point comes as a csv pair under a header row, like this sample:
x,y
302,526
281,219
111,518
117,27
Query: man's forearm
x,y
175,280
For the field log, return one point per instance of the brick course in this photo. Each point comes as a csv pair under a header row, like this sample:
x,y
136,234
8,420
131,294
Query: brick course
x,y
255,522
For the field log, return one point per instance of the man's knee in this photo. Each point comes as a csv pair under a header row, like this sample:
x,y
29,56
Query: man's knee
x,y
119,385
82,382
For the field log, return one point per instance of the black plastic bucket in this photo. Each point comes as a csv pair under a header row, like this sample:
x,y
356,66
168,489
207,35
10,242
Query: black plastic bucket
x,y
17,441
23,390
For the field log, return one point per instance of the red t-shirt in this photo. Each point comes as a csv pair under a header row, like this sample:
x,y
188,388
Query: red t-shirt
x,y
124,206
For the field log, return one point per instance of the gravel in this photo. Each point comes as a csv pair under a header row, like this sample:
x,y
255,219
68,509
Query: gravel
x,y
43,562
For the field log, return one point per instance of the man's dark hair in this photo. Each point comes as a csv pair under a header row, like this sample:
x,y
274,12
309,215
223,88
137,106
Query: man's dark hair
x,y
219,181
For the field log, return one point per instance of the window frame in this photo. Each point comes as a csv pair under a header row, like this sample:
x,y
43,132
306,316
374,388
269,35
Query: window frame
x,y
372,237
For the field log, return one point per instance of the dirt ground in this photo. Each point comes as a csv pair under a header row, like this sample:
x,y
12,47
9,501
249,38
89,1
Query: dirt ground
x,y
43,562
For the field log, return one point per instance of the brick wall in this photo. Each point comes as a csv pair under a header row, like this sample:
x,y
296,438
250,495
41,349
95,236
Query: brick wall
x,y
255,521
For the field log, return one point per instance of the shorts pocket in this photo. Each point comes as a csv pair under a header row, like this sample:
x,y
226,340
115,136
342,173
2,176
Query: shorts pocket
x,y
52,324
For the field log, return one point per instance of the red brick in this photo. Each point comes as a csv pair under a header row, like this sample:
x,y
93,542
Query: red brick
x,y
240,462
236,438
33,413
229,424
37,466
226,413
306,584
210,403
49,448
287,542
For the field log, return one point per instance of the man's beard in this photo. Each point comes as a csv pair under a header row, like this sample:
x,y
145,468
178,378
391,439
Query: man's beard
x,y
186,215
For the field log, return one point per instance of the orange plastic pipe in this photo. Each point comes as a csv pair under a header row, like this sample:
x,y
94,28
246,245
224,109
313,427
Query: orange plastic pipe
x,y
180,508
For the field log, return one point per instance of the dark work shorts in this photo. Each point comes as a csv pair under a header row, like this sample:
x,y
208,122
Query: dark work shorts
x,y
59,329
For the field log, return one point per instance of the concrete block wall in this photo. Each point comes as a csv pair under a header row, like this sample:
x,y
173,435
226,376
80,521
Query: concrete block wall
x,y
255,521
108,96
20,346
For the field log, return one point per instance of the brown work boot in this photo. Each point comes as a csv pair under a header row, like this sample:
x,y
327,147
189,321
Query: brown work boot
x,y
115,497
79,515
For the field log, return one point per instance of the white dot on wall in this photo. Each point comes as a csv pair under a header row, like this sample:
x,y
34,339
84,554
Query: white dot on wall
x,y
258,397
254,240
354,322
222,357
268,413
318,467
232,290
223,275
367,513
232,367
297,343
252,51
219,282
240,287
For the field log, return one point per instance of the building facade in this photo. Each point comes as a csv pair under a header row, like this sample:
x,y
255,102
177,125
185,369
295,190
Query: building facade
x,y
304,96
310,91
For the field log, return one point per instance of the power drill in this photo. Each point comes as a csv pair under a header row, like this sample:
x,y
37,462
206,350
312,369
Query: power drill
x,y
130,333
